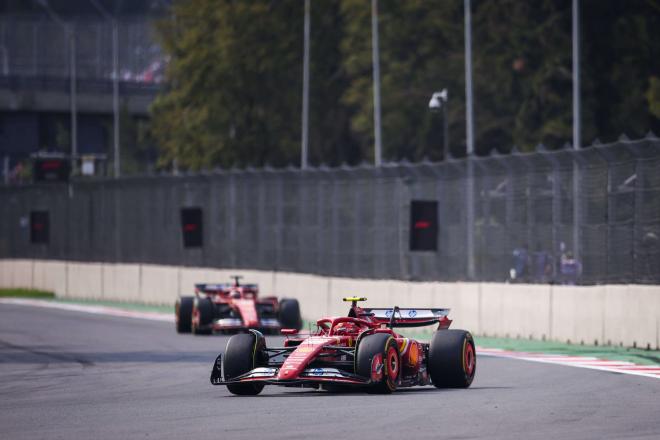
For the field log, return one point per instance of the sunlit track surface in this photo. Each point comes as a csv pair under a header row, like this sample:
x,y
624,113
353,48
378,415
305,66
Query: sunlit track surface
x,y
71,375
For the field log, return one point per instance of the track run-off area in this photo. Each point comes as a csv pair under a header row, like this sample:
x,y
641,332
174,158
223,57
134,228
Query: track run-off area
x,y
80,372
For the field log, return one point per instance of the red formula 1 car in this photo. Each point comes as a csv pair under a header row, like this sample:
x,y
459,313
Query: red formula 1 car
x,y
233,308
360,350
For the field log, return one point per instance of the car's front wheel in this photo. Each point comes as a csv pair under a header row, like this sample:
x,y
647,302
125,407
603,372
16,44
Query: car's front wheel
x,y
244,352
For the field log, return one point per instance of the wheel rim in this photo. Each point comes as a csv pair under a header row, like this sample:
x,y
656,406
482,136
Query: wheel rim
x,y
392,364
195,318
469,359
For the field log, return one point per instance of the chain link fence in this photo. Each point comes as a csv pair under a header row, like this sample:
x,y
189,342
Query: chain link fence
x,y
588,216
39,47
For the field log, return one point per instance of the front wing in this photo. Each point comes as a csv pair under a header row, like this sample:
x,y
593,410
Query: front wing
x,y
268,375
238,324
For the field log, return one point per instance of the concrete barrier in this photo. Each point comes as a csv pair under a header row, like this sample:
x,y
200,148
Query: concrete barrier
x,y
18,274
50,276
158,284
615,314
121,282
84,280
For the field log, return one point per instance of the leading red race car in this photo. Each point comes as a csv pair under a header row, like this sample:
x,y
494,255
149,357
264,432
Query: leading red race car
x,y
231,308
359,350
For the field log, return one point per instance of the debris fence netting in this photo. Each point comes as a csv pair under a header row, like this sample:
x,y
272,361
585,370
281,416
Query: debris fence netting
x,y
588,216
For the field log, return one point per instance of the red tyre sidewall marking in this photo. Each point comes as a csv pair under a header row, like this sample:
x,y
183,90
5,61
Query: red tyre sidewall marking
x,y
377,368
468,358
195,316
392,364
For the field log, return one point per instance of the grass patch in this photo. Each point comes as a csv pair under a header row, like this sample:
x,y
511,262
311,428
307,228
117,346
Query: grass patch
x,y
609,352
26,293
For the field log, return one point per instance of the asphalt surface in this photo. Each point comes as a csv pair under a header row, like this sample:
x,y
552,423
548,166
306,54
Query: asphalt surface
x,y
71,375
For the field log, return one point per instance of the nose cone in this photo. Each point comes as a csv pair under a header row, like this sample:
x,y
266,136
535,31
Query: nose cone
x,y
248,312
287,372
301,356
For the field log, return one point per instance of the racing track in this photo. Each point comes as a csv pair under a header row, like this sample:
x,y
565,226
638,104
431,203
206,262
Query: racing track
x,y
71,375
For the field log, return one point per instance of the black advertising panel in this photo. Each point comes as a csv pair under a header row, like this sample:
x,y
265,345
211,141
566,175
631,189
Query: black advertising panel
x,y
424,225
39,227
191,227
51,169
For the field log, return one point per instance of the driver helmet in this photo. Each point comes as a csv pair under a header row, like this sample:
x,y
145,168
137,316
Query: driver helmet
x,y
346,327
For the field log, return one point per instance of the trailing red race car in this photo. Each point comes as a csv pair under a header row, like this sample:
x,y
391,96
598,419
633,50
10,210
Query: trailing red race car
x,y
360,350
232,308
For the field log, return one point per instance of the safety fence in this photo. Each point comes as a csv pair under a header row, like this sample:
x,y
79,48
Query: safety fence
x,y
585,216
35,46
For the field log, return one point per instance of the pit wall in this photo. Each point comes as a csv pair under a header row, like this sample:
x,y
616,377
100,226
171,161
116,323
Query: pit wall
x,y
626,315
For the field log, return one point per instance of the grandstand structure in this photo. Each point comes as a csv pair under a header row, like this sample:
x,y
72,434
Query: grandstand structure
x,y
57,65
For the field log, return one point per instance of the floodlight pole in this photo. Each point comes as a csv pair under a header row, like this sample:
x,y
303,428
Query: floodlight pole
x,y
304,152
74,99
469,116
376,79
576,128
68,28
576,75
441,99
115,83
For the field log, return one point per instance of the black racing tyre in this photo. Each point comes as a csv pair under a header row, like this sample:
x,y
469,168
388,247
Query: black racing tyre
x,y
290,314
385,346
244,352
183,314
202,316
452,360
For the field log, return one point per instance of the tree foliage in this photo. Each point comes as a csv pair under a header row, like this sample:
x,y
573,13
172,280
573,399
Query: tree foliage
x,y
234,92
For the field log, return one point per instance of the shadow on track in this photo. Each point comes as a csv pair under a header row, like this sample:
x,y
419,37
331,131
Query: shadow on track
x,y
361,392
21,355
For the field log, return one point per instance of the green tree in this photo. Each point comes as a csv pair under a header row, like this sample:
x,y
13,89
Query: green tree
x,y
419,44
234,83
621,52
234,79
653,96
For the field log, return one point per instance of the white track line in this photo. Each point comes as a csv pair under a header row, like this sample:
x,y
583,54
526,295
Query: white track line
x,y
96,310
592,363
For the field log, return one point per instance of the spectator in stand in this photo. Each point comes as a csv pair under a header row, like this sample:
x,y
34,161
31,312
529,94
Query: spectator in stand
x,y
521,265
570,269
542,266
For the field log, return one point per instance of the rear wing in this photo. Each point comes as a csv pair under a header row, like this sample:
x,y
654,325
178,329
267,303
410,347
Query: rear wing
x,y
223,287
409,317
212,288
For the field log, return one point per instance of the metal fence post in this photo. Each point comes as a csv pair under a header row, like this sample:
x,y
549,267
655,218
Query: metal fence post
x,y
469,205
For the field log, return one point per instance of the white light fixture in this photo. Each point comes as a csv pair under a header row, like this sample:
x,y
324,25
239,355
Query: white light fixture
x,y
437,99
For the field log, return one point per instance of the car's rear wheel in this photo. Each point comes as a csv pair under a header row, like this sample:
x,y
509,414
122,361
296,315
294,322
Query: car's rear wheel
x,y
202,316
290,314
183,314
452,361
377,357
244,352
